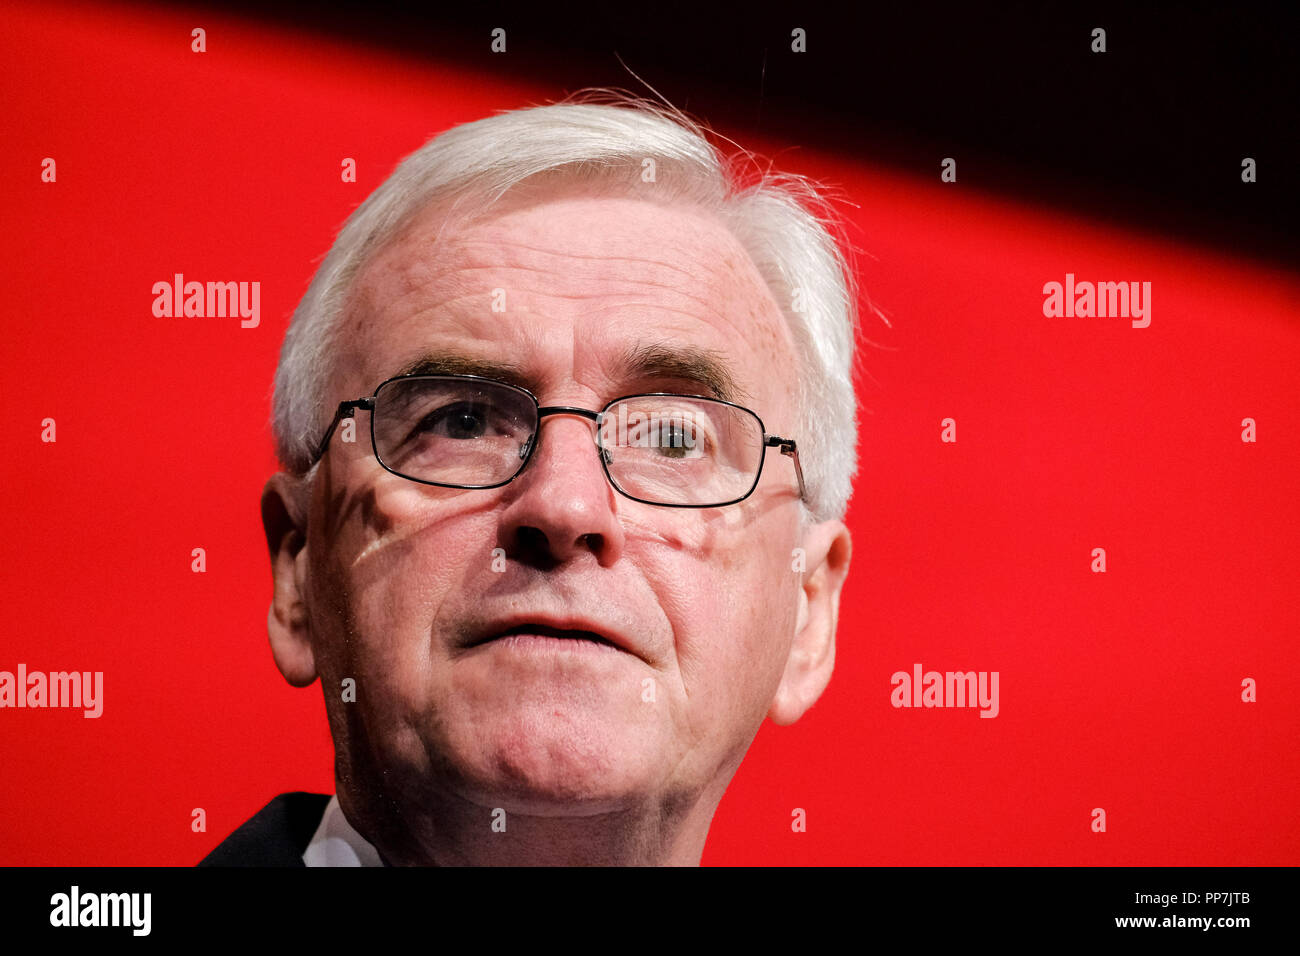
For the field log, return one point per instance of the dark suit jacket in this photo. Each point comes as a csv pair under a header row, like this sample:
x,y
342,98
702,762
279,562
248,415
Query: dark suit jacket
x,y
276,835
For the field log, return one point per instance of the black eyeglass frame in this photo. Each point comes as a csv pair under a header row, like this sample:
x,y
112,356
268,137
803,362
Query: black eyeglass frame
x,y
348,409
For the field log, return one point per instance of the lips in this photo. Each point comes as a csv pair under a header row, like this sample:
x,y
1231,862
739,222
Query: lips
x,y
545,631
576,630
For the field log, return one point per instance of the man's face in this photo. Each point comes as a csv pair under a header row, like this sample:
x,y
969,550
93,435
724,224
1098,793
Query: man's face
x,y
398,576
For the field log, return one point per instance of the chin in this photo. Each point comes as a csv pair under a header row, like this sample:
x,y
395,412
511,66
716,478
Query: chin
x,y
555,765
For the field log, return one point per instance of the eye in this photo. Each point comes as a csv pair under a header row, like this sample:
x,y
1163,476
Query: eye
x,y
678,439
458,420
672,435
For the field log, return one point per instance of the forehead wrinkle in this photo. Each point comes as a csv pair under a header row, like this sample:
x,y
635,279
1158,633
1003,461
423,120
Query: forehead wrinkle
x,y
603,258
491,245
631,296
603,282
414,279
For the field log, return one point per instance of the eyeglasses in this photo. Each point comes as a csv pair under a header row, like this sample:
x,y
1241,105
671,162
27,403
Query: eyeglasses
x,y
466,431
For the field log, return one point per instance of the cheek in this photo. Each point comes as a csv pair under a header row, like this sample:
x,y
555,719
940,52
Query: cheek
x,y
393,564
730,596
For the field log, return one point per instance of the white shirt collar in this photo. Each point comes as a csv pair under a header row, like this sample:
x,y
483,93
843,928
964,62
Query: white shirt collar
x,y
336,843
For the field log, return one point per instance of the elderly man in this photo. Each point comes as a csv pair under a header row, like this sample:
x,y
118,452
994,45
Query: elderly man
x,y
568,429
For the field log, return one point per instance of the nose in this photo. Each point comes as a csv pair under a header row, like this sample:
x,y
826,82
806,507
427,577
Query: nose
x,y
562,506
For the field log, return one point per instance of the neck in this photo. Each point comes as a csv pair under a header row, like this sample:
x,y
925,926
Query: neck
x,y
458,832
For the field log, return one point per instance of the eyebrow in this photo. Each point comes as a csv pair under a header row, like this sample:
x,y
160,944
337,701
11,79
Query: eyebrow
x,y
450,364
706,368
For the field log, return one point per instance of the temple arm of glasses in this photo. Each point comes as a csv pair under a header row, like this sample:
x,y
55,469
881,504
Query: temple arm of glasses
x,y
345,410
788,447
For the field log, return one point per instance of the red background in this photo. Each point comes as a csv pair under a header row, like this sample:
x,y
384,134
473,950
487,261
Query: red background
x,y
1118,690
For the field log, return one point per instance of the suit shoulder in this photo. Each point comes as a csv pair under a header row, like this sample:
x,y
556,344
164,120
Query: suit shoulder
x,y
276,835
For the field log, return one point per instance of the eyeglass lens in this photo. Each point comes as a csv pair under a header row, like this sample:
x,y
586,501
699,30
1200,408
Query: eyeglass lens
x,y
662,449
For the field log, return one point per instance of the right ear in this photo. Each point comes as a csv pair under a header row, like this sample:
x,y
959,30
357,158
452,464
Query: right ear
x,y
287,623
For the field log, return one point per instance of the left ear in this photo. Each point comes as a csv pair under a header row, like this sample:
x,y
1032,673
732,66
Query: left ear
x,y
827,550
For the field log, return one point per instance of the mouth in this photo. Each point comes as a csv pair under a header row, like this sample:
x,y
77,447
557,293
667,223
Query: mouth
x,y
543,634
545,631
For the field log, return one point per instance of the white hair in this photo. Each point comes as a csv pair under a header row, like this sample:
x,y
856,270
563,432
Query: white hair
x,y
783,221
